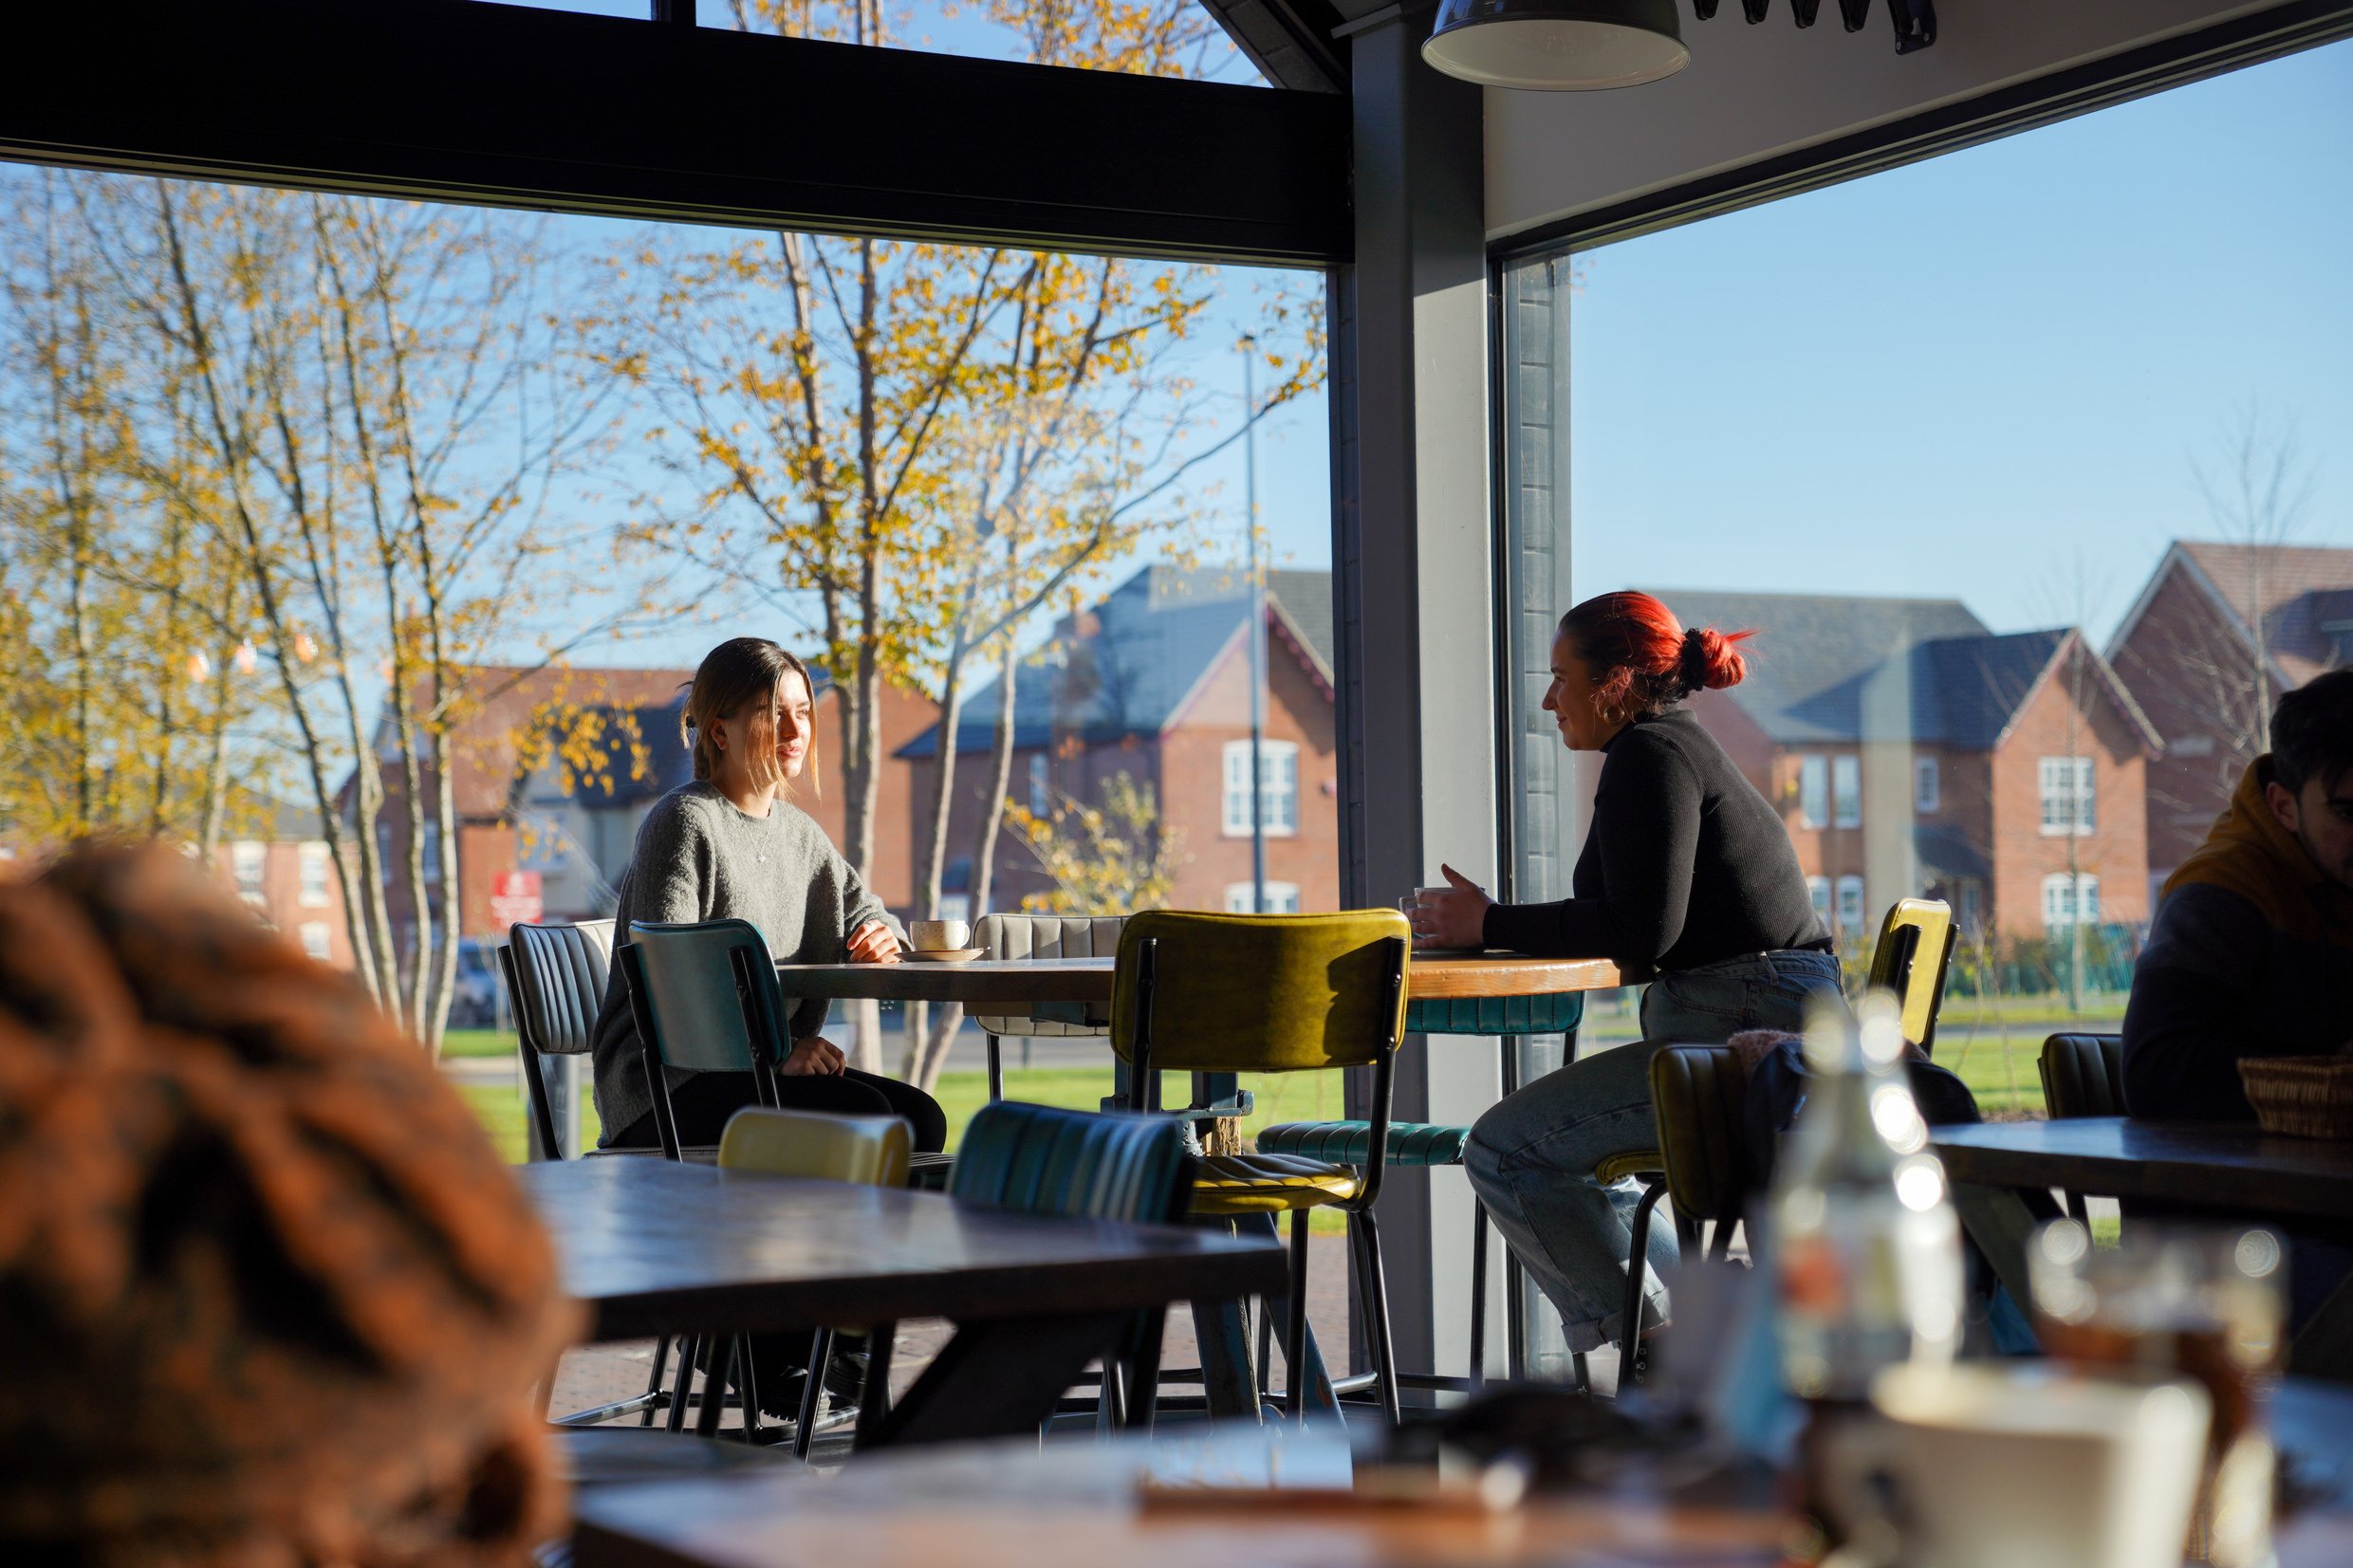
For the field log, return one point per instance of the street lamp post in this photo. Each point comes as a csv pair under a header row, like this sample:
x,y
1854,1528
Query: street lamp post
x,y
1258,629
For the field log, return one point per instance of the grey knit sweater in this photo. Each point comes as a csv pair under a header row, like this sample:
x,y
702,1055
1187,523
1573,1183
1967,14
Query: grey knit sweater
x,y
699,857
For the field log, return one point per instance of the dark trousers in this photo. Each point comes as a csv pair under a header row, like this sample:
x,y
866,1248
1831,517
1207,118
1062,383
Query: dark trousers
x,y
705,1101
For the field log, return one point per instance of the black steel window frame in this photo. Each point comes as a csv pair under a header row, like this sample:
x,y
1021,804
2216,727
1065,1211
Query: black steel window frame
x,y
505,106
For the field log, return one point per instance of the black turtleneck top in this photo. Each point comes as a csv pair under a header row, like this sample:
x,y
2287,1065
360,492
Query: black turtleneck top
x,y
1685,864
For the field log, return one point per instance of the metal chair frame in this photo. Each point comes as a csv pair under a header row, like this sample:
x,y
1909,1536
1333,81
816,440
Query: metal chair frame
x,y
1363,1231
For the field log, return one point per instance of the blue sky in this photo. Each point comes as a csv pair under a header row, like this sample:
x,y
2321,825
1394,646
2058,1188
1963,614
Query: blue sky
x,y
1962,377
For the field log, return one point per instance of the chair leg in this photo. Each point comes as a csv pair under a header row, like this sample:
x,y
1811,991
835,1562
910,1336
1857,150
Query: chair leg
x,y
653,1383
1295,1332
1638,1270
715,1379
1479,1295
1266,1349
748,1386
874,1397
996,1070
1376,1293
688,1347
1578,1370
812,1390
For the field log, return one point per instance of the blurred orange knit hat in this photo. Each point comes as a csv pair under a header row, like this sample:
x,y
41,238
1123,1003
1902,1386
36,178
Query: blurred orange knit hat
x,y
270,1296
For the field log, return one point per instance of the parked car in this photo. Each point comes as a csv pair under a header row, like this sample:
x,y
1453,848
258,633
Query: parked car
x,y
478,1000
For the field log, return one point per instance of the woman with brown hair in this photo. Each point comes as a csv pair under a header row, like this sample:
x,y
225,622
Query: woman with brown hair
x,y
731,844
1687,880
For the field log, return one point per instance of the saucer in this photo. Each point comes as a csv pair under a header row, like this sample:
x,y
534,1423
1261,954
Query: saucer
x,y
944,955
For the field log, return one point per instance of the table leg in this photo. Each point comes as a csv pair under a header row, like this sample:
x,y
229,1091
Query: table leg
x,y
1999,1220
999,1379
1514,1278
1227,1379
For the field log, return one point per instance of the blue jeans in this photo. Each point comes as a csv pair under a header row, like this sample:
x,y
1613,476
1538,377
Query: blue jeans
x,y
1531,1156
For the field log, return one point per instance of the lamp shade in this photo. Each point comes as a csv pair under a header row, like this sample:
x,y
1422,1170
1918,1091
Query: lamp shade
x,y
1557,44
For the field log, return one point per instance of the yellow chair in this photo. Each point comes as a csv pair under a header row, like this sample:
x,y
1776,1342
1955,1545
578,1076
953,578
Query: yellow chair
x,y
1915,928
1274,993
870,1150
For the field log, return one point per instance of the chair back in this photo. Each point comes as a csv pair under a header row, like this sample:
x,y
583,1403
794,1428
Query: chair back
x,y
1019,937
2083,1075
1085,1164
1698,1092
557,983
705,994
1914,950
1260,993
555,979
870,1150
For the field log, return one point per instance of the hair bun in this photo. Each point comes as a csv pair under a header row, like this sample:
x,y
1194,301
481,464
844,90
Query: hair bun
x,y
1711,660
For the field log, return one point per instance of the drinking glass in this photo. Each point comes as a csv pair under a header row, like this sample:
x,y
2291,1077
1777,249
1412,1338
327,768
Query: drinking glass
x,y
2204,1303
1409,904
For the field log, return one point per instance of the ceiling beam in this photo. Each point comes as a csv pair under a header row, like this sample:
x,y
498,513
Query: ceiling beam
x,y
460,101
1289,40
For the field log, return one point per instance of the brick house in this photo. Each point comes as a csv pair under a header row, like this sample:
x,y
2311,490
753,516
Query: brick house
x,y
1910,750
1154,682
288,873
2188,650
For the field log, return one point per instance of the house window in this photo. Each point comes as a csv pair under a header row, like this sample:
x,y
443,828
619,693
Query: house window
x,y
1850,905
315,863
433,850
1278,789
1818,890
1041,794
1973,915
248,859
2067,796
318,940
1813,791
2061,907
1282,898
1927,796
1846,791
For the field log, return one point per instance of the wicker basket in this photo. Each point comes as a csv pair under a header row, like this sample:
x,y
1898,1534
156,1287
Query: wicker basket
x,y
2300,1097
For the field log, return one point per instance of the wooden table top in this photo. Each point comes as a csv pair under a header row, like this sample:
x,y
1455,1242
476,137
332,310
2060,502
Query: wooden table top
x,y
1432,977
2225,1165
654,1246
1075,1506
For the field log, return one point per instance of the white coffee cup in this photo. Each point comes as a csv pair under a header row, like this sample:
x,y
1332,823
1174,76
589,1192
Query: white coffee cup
x,y
2025,1465
940,935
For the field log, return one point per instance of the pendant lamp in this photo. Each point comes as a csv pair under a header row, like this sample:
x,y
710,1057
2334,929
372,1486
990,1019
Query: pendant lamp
x,y
1557,44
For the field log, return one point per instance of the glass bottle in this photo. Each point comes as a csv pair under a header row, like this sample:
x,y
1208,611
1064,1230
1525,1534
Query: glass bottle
x,y
1867,1252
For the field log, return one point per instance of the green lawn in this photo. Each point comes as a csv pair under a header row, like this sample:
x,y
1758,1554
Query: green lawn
x,y
1993,1044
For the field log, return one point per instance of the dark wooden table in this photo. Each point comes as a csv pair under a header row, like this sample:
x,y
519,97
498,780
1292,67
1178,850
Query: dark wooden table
x,y
654,1248
2230,1166
1075,1506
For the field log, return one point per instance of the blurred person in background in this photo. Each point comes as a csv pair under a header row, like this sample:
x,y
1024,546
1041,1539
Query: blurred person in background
x,y
269,1297
2251,950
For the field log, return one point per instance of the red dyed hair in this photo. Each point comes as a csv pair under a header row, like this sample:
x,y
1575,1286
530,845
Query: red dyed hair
x,y
1644,659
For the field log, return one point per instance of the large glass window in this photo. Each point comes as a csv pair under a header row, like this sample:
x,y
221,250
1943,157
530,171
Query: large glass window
x,y
2021,571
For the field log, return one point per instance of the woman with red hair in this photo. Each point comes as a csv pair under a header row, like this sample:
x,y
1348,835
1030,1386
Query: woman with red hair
x,y
1687,880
